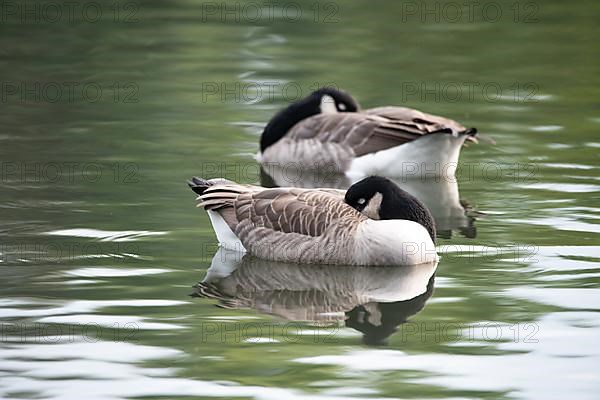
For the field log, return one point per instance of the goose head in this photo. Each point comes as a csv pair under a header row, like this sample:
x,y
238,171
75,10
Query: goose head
x,y
330,101
322,101
380,198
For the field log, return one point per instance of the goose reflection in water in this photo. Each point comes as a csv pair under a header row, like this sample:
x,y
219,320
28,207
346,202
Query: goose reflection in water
x,y
439,194
372,300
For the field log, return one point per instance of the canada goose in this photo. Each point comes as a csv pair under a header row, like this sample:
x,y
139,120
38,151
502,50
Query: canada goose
x,y
440,196
373,300
373,223
328,131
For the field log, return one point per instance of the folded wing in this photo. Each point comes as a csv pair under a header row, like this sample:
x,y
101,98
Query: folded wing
x,y
374,129
285,223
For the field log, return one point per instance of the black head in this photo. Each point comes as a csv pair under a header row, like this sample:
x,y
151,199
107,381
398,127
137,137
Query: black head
x,y
380,198
325,100
330,100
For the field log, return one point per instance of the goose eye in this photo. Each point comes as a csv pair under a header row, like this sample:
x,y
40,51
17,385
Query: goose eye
x,y
361,201
342,106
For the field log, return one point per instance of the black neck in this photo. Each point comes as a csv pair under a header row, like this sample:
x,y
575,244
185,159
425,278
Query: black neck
x,y
285,119
408,208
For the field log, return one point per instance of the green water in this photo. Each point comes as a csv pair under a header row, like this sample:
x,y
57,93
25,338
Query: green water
x,y
101,243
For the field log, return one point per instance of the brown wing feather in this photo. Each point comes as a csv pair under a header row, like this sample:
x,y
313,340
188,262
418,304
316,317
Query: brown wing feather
x,y
302,211
373,129
425,123
288,210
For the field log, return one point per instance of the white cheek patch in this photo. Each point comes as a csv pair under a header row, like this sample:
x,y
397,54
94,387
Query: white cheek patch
x,y
328,105
372,208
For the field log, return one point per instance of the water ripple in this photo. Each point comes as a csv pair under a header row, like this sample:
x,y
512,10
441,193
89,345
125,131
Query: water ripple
x,y
105,236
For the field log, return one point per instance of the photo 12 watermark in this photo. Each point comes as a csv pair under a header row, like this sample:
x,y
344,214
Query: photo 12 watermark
x,y
68,12
469,91
66,173
255,92
469,11
448,332
253,12
39,333
509,252
264,332
68,92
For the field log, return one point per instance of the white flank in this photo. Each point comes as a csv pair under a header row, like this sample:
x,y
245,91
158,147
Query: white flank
x,y
429,156
224,234
393,242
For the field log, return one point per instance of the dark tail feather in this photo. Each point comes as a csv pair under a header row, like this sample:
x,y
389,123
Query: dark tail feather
x,y
473,136
199,185
469,132
442,130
